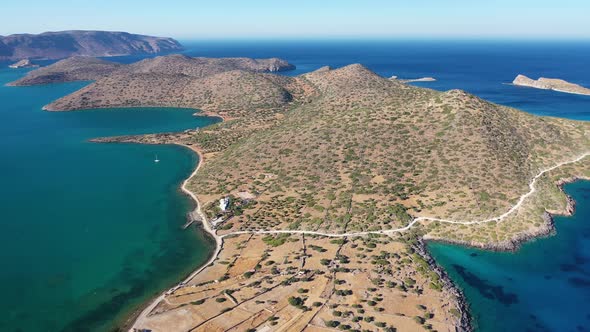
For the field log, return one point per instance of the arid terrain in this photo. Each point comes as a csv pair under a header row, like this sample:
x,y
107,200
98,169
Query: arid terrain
x,y
333,179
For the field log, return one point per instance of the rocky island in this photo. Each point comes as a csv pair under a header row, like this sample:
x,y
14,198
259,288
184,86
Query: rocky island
x,y
551,84
24,63
411,80
320,190
63,44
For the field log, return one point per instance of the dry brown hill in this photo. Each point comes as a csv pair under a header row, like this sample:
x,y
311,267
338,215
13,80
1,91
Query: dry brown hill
x,y
348,150
201,67
225,91
71,69
368,153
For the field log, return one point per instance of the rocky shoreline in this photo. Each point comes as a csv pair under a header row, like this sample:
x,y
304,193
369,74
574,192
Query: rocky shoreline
x,y
510,246
548,228
465,322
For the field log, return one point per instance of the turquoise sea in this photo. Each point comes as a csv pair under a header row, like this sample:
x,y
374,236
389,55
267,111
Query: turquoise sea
x,y
90,231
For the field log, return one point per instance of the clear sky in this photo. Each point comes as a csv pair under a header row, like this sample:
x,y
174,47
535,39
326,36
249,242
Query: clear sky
x,y
201,19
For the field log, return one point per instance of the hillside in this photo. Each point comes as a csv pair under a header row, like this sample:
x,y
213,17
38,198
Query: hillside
x,y
371,154
228,85
326,172
63,44
347,150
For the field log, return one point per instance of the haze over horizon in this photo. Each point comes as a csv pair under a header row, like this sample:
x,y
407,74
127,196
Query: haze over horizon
x,y
525,19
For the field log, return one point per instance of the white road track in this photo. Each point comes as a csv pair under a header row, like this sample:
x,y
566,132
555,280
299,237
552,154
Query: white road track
x,y
418,219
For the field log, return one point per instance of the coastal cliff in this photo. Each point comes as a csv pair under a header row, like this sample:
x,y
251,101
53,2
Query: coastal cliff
x,y
551,84
63,44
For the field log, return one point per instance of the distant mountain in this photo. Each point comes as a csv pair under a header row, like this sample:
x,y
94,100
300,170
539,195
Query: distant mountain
x,y
63,44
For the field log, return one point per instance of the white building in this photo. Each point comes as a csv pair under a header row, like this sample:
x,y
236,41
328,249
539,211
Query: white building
x,y
223,204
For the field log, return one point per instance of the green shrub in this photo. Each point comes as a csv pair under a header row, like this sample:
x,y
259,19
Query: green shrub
x,y
295,301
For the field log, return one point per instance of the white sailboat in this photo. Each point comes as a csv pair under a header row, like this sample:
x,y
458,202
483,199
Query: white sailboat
x,y
156,160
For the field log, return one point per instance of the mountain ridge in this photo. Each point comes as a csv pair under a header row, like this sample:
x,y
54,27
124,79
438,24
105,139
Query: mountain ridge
x,y
62,44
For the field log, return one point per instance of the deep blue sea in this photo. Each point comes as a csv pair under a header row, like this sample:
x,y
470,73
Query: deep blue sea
x,y
89,231
542,287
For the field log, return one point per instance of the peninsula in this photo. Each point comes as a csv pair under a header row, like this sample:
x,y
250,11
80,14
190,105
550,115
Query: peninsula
x,y
177,68
551,84
320,189
63,44
77,68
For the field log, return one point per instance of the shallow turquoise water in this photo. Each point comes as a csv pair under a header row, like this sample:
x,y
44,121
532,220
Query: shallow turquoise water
x,y
545,286
88,231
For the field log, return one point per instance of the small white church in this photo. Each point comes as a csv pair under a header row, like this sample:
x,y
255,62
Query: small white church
x,y
224,204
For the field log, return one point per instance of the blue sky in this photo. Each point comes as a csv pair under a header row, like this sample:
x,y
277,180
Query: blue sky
x,y
184,19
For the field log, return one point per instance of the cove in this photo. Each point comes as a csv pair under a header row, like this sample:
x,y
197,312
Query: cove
x,y
544,286
89,232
